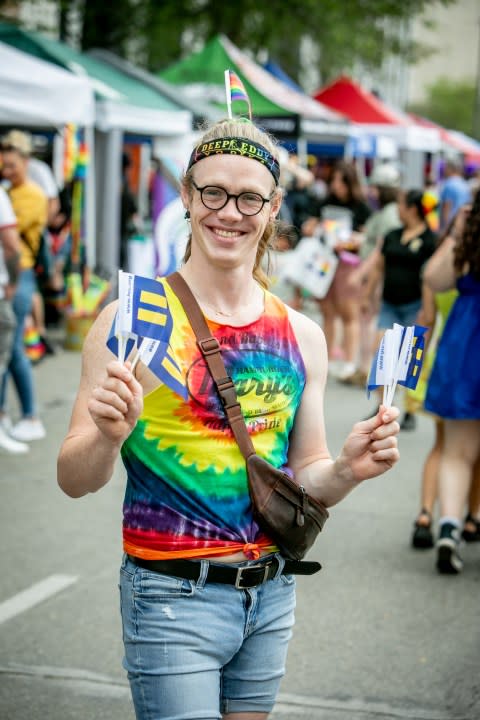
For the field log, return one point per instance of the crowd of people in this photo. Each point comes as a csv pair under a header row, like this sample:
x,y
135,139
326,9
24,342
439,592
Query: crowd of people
x,y
396,258
382,276
414,262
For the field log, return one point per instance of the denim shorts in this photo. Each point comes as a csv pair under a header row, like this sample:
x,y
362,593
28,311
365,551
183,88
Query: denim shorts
x,y
195,650
405,314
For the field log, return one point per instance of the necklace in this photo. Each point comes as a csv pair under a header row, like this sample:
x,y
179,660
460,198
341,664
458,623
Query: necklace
x,y
409,234
206,304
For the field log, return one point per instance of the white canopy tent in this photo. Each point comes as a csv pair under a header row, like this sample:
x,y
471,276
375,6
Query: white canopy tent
x,y
36,93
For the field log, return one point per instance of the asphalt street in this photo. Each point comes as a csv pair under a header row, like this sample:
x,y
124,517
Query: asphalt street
x,y
379,634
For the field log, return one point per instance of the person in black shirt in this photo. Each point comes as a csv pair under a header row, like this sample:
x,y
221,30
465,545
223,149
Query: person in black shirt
x,y
404,252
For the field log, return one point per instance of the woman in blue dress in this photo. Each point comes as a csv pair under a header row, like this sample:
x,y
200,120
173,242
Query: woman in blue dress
x,y
454,388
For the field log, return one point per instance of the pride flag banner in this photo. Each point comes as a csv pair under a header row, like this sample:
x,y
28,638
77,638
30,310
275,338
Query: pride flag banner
x,y
235,91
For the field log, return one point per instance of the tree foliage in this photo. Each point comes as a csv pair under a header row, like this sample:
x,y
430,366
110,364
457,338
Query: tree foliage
x,y
345,33
450,104
156,33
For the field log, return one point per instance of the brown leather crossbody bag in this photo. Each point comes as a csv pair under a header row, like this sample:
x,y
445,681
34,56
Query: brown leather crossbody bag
x,y
283,508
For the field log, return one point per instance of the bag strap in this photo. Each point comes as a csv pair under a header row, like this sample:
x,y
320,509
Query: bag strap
x,y
210,349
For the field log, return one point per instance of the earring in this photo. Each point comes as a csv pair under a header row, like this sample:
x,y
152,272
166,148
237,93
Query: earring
x,y
187,215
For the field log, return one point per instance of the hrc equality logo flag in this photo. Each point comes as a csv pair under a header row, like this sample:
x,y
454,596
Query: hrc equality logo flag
x,y
144,319
143,308
398,360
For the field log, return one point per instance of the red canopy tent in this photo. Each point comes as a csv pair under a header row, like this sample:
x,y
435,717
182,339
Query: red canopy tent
x,y
416,143
358,104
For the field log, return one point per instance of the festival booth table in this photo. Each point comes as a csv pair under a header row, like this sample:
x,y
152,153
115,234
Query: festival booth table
x,y
125,108
289,114
416,143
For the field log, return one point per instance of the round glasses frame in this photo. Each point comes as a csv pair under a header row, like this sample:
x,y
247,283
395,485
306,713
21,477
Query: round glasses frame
x,y
245,202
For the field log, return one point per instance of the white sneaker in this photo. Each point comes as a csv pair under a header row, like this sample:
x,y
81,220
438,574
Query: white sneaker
x,y
334,367
10,445
6,424
348,369
28,429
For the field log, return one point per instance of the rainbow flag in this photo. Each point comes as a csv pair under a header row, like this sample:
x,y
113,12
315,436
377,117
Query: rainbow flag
x,y
235,91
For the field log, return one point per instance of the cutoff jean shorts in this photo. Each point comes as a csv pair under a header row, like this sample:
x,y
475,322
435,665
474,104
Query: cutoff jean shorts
x,y
196,650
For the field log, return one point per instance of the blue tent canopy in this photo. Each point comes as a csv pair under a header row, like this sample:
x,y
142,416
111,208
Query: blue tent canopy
x,y
275,69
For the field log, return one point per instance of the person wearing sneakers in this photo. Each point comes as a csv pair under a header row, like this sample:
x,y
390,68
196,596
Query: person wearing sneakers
x,y
30,207
453,391
9,269
207,598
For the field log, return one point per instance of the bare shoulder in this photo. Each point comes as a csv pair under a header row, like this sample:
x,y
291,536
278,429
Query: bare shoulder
x,y
311,341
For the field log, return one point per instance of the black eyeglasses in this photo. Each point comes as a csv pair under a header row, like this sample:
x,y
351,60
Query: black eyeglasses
x,y
215,198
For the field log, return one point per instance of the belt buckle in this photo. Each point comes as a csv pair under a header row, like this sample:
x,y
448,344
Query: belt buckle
x,y
238,579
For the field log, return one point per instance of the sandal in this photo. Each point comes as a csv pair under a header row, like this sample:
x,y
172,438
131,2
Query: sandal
x,y
422,534
471,535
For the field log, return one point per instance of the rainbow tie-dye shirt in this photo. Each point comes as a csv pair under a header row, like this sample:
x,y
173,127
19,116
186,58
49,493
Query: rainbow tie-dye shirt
x,y
187,489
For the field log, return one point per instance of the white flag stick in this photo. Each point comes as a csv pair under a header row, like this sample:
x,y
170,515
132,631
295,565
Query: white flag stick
x,y
138,356
228,94
389,360
121,348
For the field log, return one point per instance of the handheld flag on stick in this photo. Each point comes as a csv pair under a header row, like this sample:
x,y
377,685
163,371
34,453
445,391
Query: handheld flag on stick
x,y
398,360
142,310
235,90
144,320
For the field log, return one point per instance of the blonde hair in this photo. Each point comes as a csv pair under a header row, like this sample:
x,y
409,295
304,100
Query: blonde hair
x,y
19,141
246,130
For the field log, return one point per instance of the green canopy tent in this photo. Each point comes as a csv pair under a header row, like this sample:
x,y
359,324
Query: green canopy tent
x,y
279,108
122,104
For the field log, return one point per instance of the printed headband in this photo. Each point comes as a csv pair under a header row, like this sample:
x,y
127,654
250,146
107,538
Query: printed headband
x,y
237,146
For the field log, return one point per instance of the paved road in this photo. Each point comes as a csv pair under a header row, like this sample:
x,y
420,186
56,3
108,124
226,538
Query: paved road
x,y
379,635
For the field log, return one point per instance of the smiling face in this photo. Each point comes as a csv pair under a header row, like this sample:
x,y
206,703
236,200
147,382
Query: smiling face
x,y
225,237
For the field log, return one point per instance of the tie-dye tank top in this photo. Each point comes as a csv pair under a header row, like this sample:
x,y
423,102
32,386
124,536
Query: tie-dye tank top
x,y
187,489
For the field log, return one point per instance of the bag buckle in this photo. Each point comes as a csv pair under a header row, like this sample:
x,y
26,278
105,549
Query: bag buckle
x,y
209,346
228,394
241,570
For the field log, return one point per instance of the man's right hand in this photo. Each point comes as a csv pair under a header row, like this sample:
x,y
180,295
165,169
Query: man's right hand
x,y
117,402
